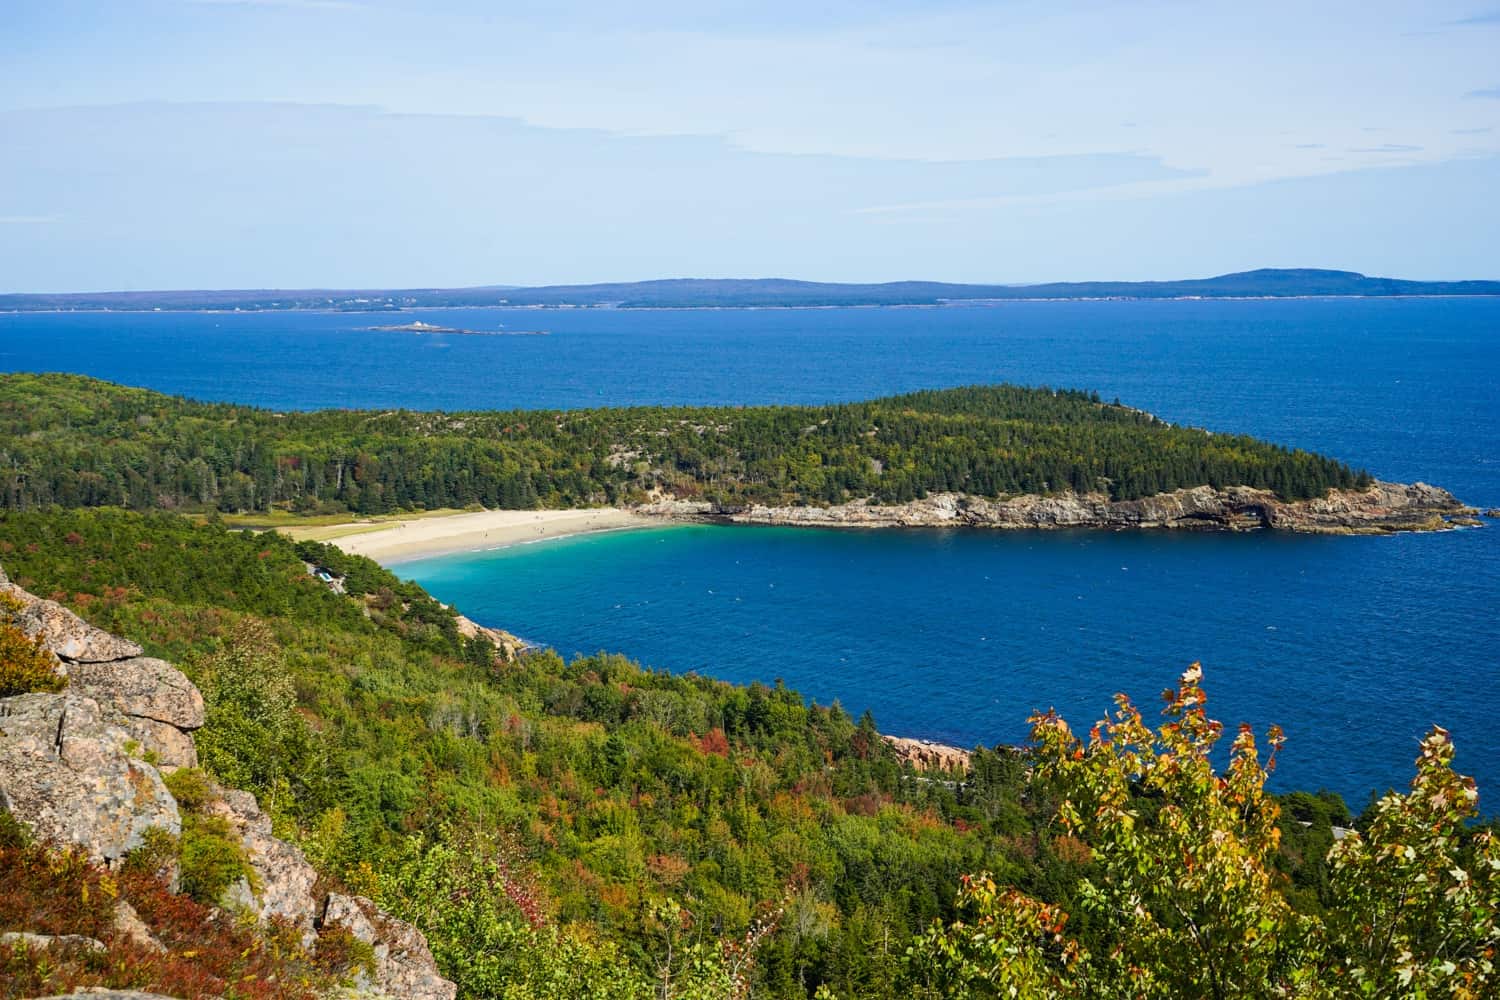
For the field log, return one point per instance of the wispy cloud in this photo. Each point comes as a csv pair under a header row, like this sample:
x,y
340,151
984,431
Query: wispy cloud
x,y
1491,17
1488,92
26,220
1471,131
1390,147
1310,145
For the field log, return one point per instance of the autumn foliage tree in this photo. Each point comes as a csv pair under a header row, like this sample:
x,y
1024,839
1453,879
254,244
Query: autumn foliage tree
x,y
1184,898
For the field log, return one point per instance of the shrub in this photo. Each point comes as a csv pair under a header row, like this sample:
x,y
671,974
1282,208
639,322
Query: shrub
x,y
157,857
1184,895
209,952
341,954
26,665
13,833
212,858
190,787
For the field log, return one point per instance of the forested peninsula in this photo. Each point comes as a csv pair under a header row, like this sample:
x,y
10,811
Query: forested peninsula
x,y
983,456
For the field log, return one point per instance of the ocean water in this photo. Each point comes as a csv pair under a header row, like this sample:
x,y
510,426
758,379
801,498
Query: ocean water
x,y
1354,645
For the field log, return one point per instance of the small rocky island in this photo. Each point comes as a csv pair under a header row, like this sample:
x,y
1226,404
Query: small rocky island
x,y
417,326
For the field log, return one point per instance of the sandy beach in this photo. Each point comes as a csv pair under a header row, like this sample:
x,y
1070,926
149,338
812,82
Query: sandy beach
x,y
417,538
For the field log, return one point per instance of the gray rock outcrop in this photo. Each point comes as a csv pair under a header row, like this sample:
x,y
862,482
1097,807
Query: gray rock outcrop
x,y
129,925
925,755
68,771
1383,508
148,698
159,704
76,767
403,962
507,646
67,635
284,877
42,942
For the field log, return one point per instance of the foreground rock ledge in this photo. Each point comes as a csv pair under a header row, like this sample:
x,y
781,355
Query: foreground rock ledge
x,y
81,768
1382,509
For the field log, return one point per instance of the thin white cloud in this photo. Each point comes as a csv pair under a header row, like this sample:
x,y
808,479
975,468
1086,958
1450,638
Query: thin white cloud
x,y
27,220
1487,19
1389,147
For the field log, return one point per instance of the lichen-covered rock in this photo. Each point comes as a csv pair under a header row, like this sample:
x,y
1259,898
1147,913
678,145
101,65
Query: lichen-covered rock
x,y
68,772
141,686
160,705
67,635
172,747
403,963
285,878
94,993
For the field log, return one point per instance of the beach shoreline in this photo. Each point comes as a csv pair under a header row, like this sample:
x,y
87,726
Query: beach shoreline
x,y
420,538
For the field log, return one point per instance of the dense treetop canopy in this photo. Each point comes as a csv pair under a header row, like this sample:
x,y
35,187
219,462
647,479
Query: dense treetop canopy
x,y
79,442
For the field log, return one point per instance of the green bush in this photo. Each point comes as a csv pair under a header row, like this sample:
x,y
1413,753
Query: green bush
x,y
190,787
26,665
13,833
156,857
212,858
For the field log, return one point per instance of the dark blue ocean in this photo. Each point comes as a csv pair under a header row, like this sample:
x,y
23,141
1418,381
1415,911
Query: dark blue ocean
x,y
1354,645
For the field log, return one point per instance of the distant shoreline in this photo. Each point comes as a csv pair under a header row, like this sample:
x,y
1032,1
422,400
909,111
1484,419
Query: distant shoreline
x,y
590,307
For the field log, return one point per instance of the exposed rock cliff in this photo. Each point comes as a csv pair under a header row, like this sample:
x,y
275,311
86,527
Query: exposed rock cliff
x,y
83,767
508,646
148,698
925,755
1383,508
68,772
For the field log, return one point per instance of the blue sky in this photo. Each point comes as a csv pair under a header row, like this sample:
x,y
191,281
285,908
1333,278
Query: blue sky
x,y
377,143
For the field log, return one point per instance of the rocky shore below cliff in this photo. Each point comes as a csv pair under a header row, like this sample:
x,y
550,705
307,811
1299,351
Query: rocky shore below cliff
x,y
928,755
1384,508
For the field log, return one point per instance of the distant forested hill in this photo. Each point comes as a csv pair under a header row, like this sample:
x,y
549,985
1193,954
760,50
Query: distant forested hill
x,y
762,292
79,442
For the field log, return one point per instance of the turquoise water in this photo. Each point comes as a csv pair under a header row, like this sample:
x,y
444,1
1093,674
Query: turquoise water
x,y
1355,645
958,635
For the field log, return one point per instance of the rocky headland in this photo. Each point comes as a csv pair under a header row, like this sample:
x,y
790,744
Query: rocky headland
x,y
1382,509
926,755
83,767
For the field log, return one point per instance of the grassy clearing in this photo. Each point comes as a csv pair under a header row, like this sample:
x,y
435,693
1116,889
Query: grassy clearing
x,y
322,527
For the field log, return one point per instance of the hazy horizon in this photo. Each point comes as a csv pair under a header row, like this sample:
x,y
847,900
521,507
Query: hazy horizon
x,y
367,287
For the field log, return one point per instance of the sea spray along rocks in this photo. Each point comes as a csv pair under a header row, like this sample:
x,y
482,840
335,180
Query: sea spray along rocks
x,y
1381,509
83,767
